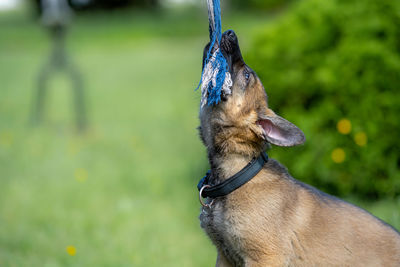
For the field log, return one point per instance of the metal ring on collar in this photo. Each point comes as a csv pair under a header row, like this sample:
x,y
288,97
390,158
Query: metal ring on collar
x,y
201,198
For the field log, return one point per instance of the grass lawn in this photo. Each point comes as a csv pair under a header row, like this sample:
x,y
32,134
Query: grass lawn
x,y
124,193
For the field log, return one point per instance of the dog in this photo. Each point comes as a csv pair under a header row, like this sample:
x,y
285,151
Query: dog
x,y
273,219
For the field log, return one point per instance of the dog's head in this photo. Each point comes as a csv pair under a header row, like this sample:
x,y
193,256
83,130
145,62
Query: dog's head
x,y
242,122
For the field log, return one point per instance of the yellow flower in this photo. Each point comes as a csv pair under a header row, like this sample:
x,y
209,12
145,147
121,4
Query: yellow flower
x,y
338,155
71,250
81,175
360,139
344,126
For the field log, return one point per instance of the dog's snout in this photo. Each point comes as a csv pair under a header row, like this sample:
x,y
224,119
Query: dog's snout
x,y
229,41
230,37
231,34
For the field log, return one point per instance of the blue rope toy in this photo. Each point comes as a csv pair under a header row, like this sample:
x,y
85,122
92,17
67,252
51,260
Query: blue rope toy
x,y
215,77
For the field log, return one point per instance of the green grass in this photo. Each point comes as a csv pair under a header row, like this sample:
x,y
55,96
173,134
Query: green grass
x,y
124,193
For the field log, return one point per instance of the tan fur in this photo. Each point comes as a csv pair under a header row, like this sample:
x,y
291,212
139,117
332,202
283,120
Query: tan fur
x,y
274,220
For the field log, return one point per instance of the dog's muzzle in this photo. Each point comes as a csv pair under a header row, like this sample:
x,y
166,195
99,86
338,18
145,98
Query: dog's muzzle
x,y
230,49
229,42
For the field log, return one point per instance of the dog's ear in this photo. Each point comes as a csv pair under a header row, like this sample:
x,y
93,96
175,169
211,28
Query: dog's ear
x,y
278,131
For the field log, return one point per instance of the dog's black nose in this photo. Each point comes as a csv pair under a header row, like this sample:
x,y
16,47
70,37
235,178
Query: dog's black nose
x,y
231,35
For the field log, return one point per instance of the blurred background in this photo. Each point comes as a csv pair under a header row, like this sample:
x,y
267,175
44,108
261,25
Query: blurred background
x,y
99,153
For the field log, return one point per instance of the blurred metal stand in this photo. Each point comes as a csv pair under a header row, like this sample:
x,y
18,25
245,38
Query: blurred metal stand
x,y
56,17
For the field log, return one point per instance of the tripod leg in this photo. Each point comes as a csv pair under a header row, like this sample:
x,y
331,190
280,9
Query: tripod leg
x,y
40,96
79,98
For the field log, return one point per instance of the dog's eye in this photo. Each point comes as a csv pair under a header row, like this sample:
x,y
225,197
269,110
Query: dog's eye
x,y
247,75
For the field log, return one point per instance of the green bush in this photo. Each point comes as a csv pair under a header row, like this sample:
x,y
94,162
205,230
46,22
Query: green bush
x,y
323,61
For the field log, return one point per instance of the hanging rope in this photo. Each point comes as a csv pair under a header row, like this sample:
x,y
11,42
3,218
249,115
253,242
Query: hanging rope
x,y
215,78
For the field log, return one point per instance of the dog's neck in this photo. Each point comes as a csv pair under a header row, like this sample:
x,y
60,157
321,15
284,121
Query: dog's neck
x,y
226,165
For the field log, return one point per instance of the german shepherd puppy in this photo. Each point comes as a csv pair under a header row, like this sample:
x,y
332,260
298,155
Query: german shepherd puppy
x,y
275,220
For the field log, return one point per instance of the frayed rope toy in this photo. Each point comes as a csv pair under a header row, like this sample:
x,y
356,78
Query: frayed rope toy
x,y
215,78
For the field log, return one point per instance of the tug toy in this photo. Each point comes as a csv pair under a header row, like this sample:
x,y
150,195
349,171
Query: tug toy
x,y
215,78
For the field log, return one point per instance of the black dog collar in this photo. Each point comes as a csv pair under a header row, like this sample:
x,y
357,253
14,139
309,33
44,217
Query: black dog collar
x,y
234,182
